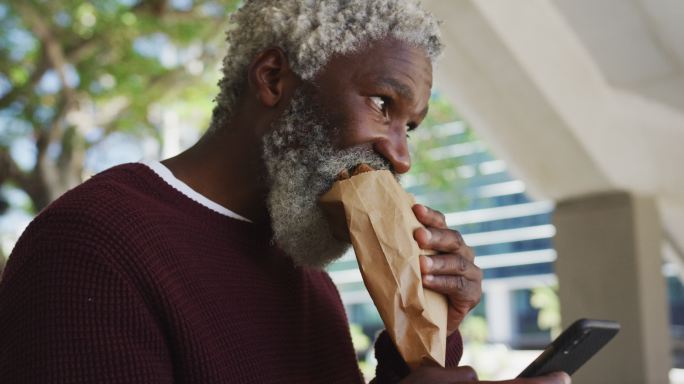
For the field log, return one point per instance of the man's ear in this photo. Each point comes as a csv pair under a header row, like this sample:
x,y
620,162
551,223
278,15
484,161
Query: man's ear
x,y
270,75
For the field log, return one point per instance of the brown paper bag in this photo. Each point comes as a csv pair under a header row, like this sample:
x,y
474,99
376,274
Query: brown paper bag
x,y
373,212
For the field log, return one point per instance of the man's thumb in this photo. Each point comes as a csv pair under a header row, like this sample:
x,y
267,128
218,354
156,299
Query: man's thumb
x,y
460,374
439,375
560,377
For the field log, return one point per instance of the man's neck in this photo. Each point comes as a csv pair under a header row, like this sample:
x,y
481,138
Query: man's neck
x,y
226,168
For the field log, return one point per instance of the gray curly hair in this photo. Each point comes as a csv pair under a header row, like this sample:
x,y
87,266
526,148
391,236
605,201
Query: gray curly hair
x,y
311,32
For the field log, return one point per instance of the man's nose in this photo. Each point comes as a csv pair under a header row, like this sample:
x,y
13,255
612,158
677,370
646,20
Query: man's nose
x,y
394,148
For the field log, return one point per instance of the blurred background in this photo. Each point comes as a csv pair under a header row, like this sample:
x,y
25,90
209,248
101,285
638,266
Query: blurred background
x,y
553,144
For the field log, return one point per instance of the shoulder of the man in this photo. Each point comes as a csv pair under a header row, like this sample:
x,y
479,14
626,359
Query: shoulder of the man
x,y
113,202
103,217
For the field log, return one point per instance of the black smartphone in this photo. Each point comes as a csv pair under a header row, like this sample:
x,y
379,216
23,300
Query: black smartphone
x,y
574,347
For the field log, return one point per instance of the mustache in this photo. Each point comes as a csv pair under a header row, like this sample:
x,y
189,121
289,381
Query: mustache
x,y
336,162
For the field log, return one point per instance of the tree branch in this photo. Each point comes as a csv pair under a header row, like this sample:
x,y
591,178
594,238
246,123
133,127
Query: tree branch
x,y
73,54
38,72
52,47
9,171
158,83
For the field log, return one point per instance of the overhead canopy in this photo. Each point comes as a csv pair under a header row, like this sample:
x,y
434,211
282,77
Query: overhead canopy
x,y
578,96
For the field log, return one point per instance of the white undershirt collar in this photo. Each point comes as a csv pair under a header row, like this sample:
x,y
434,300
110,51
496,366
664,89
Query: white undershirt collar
x,y
166,175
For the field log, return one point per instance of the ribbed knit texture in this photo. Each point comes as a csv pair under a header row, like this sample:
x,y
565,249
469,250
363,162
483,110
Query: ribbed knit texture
x,y
126,280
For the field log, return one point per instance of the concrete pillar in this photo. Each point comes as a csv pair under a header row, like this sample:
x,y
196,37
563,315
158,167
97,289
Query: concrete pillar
x,y
609,267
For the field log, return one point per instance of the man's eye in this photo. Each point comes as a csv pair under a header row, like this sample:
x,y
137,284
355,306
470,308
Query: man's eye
x,y
410,127
379,102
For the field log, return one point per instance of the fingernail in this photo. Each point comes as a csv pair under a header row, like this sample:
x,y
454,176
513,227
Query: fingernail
x,y
428,234
428,261
429,278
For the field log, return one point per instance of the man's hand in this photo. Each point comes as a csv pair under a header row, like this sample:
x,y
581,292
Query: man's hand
x,y
451,271
466,375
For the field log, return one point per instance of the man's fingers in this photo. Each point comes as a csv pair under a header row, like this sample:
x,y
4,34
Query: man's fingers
x,y
429,217
437,236
452,275
450,264
439,375
439,239
551,378
556,378
461,374
449,285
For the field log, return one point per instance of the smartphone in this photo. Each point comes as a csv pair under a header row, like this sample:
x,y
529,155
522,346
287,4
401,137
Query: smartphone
x,y
574,347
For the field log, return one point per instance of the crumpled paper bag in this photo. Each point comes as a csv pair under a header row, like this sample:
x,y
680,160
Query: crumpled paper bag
x,y
374,213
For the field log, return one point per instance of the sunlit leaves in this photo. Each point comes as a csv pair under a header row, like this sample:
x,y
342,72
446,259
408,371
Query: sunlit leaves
x,y
99,71
433,175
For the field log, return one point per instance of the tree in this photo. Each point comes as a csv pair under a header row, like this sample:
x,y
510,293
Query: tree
x,y
436,173
546,300
74,72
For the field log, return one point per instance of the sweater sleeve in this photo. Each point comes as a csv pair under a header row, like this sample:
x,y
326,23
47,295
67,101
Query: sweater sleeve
x,y
66,315
391,366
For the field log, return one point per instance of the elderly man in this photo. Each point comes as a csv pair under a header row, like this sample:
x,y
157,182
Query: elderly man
x,y
206,267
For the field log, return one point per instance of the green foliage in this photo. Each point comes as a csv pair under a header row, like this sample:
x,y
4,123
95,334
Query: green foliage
x,y
107,60
474,329
437,175
360,341
546,300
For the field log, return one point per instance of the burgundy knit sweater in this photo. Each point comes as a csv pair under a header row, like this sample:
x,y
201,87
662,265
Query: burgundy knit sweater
x,y
126,280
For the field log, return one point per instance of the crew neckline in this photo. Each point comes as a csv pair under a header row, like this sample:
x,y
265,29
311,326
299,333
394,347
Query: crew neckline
x,y
165,174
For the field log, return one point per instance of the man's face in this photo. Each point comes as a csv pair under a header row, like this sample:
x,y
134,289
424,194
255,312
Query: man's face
x,y
358,110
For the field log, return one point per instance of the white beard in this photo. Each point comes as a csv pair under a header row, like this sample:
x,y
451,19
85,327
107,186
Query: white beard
x,y
301,165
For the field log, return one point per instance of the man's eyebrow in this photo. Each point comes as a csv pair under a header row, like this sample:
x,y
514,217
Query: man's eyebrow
x,y
403,90
397,86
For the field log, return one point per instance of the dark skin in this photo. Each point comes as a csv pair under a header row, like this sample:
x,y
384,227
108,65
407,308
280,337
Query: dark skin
x,y
375,96
401,78
226,165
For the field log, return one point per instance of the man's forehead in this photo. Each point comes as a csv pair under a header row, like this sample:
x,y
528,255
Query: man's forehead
x,y
390,67
385,56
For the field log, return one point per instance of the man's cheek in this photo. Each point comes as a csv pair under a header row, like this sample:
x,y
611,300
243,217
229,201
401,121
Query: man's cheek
x,y
355,126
